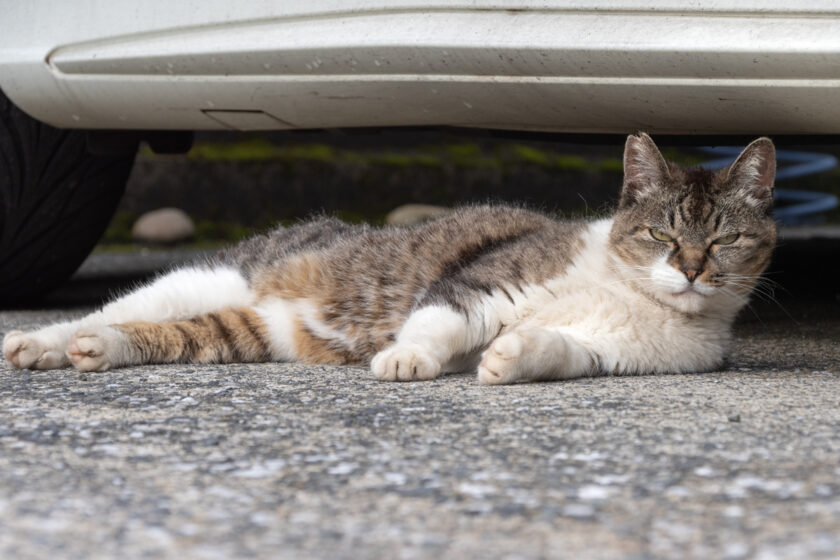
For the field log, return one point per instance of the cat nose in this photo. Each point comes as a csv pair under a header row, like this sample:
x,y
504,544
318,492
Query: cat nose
x,y
691,271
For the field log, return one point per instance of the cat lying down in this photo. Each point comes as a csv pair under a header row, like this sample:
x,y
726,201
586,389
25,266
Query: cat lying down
x,y
512,294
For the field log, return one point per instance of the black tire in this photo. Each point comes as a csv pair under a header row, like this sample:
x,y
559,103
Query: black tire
x,y
56,200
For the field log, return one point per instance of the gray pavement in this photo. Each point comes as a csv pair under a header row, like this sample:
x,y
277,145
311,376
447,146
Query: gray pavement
x,y
285,461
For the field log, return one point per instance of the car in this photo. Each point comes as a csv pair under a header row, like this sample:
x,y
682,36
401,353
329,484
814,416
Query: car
x,y
83,83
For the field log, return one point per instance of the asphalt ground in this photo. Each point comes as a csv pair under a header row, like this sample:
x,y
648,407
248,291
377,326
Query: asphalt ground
x,y
290,461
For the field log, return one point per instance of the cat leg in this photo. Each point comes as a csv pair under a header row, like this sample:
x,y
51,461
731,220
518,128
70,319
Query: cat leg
x,y
534,354
234,334
180,294
430,338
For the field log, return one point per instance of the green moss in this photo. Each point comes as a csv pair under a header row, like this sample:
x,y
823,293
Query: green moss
x,y
145,151
548,159
570,163
680,157
611,165
462,151
465,155
531,155
260,149
256,149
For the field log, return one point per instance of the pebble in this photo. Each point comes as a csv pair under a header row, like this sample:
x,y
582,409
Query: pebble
x,y
412,214
166,225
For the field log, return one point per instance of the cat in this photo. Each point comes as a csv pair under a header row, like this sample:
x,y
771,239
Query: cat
x,y
512,294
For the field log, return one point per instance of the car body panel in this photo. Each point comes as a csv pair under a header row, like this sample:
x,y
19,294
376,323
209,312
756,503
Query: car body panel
x,y
562,66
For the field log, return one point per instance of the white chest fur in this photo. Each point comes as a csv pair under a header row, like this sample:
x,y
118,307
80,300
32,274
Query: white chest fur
x,y
627,330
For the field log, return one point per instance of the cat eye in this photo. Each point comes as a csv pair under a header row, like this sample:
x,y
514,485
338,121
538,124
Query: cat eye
x,y
727,239
660,236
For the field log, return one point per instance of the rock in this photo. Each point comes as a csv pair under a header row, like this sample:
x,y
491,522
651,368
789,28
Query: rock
x,y
166,225
411,214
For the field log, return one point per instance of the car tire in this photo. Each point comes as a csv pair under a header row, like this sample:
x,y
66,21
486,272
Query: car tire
x,y
56,200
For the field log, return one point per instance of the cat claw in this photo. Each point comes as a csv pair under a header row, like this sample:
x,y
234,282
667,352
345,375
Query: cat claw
x,y
404,363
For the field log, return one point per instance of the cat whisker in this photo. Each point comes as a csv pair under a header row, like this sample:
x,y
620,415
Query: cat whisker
x,y
746,303
765,293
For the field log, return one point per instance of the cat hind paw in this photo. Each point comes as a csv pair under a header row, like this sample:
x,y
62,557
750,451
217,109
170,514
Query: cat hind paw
x,y
405,363
95,349
32,351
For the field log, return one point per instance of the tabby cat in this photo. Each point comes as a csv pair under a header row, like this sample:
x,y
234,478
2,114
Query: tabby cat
x,y
513,294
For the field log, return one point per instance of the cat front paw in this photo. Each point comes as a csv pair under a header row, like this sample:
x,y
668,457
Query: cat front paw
x,y
33,350
499,364
97,349
407,362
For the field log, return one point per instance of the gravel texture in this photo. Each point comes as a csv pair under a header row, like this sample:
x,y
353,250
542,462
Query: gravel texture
x,y
287,461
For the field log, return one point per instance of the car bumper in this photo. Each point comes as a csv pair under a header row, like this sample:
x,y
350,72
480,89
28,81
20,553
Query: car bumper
x,y
588,67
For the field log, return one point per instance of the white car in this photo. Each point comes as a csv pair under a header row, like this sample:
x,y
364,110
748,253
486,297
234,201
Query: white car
x,y
570,66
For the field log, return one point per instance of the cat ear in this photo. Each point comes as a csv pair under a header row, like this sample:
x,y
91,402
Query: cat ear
x,y
645,169
752,174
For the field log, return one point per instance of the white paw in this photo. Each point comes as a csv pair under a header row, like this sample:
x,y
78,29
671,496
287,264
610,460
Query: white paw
x,y
500,362
96,349
34,350
407,362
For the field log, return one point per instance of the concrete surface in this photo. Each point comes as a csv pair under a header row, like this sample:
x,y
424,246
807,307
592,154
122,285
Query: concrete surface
x,y
284,461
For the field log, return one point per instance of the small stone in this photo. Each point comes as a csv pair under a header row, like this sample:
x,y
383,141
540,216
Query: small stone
x,y
166,225
412,214
734,417
580,511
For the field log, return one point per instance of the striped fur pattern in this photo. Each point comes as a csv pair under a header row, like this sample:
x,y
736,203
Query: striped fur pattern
x,y
234,334
512,294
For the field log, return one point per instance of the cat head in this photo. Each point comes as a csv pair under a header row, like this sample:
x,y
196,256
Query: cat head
x,y
693,237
